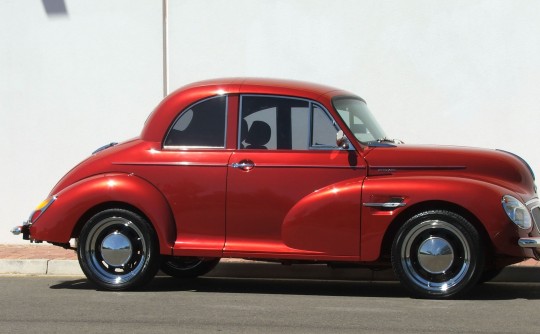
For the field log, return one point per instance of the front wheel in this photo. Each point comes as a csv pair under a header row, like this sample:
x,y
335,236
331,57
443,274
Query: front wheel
x,y
118,250
188,267
437,254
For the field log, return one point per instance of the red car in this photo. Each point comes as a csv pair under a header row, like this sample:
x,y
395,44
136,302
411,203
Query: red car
x,y
293,172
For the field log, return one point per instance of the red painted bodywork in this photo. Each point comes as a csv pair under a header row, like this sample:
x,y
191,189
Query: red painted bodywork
x,y
296,205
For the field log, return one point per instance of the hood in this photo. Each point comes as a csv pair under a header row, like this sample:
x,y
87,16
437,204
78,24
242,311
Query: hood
x,y
494,166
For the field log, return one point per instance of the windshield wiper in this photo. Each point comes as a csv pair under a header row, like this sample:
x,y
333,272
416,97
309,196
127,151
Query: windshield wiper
x,y
389,140
382,142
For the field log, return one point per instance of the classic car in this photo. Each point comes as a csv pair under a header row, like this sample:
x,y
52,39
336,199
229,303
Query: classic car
x,y
293,172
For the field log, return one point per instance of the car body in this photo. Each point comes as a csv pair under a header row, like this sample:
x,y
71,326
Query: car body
x,y
295,172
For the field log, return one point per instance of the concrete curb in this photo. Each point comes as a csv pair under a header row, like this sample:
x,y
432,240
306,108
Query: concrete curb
x,y
40,267
246,269
23,267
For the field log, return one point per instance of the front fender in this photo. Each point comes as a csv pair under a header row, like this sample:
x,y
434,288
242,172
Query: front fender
x,y
481,199
326,221
59,222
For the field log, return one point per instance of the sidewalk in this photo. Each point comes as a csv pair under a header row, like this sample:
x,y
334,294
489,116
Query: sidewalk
x,y
46,259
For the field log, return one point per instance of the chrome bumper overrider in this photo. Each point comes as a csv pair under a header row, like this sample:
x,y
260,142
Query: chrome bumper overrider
x,y
16,230
24,229
531,242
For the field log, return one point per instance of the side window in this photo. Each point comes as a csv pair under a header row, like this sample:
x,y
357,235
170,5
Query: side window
x,y
202,125
272,122
324,129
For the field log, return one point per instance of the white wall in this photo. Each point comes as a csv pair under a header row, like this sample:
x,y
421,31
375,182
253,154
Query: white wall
x,y
443,72
69,84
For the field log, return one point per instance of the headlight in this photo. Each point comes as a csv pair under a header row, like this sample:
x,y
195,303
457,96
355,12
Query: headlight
x,y
517,212
41,208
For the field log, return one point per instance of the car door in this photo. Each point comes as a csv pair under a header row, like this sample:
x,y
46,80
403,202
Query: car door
x,y
191,172
291,191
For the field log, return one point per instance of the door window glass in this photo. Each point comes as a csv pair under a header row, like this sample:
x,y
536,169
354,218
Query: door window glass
x,y
324,129
273,122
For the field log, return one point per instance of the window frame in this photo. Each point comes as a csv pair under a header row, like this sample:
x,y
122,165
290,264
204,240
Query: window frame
x,y
311,106
197,147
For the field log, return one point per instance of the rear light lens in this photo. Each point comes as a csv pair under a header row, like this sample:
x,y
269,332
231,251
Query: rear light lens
x,y
41,208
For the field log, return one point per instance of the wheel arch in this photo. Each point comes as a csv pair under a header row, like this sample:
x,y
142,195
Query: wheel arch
x,y
78,202
140,196
417,208
106,206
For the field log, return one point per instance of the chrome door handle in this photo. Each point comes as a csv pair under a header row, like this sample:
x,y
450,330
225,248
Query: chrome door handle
x,y
245,165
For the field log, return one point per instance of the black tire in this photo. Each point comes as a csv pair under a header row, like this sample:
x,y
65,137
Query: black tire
x,y
118,250
489,274
188,267
438,254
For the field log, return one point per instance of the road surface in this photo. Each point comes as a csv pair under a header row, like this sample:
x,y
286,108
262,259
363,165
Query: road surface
x,y
232,305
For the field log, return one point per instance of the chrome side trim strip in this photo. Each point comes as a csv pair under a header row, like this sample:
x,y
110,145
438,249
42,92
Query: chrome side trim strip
x,y
387,205
174,163
197,164
411,168
310,166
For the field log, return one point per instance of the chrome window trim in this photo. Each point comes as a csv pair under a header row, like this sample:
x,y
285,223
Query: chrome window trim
x,y
311,104
187,147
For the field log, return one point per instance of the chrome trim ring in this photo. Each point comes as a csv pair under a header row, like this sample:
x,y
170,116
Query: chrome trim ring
x,y
436,256
115,250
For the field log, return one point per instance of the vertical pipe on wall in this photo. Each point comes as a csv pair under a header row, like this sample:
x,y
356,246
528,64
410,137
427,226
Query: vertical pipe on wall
x,y
165,5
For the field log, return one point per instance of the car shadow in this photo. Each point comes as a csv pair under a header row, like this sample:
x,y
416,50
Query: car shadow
x,y
391,289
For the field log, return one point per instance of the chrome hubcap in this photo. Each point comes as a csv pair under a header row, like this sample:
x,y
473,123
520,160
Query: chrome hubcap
x,y
435,255
116,249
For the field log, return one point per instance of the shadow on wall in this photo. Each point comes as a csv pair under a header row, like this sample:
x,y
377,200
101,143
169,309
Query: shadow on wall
x,y
55,7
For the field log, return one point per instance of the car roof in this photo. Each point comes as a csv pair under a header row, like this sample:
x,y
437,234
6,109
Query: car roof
x,y
162,116
247,85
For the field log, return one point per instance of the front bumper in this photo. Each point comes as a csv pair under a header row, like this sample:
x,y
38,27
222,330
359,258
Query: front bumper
x,y
533,241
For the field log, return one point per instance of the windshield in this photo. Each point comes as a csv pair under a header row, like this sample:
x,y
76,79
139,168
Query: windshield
x,y
358,118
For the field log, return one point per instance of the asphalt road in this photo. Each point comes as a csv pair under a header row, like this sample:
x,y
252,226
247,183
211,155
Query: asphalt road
x,y
228,305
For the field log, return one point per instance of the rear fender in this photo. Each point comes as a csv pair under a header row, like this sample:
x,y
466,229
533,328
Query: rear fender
x,y
59,223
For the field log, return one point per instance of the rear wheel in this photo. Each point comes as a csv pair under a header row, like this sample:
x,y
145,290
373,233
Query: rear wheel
x,y
437,254
188,267
118,250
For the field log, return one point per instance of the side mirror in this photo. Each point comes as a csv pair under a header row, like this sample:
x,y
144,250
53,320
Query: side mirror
x,y
342,141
